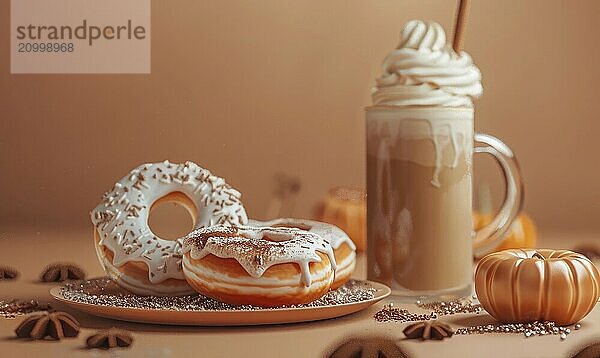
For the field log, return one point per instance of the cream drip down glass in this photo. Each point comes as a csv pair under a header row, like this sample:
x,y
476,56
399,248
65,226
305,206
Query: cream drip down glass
x,y
420,146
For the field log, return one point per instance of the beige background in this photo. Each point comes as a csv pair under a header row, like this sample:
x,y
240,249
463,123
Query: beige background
x,y
252,88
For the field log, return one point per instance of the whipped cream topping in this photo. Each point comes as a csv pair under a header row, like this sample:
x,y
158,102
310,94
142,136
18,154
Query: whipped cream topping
x,y
425,71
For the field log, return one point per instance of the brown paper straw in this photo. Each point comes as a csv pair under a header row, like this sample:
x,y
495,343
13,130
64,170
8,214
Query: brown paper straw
x,y
461,25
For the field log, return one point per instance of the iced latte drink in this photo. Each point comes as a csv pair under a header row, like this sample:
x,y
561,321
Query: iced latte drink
x,y
419,167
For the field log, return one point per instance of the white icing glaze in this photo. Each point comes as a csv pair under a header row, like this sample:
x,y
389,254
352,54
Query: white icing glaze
x,y
336,237
257,249
331,233
388,126
121,219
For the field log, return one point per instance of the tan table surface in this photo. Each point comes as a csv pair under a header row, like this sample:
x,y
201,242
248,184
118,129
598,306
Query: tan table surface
x,y
30,251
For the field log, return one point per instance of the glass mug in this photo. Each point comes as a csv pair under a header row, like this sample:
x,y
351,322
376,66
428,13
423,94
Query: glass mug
x,y
420,233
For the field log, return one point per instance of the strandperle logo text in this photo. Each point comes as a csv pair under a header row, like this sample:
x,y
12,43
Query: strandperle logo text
x,y
80,36
85,31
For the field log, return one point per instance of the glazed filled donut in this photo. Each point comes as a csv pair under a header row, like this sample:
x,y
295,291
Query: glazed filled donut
x,y
343,248
265,267
131,254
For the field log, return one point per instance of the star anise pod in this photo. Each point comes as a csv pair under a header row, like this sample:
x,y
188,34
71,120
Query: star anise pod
x,y
369,347
428,330
109,338
55,325
8,273
59,272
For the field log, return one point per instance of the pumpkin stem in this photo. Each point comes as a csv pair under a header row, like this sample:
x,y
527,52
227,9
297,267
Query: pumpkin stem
x,y
537,255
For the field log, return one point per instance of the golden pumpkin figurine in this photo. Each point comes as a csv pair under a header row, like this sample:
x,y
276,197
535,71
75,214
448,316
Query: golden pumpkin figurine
x,y
519,285
346,208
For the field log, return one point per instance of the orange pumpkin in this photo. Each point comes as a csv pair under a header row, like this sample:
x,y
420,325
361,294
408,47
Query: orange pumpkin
x,y
532,285
521,234
346,208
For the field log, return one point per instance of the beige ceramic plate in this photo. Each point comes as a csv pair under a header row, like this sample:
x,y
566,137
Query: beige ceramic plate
x,y
226,318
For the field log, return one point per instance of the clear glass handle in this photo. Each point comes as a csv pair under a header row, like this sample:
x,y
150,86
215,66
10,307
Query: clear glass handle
x,y
491,235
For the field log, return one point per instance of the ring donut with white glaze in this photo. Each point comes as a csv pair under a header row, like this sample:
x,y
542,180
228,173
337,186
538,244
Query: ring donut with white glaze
x,y
131,254
343,247
265,267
